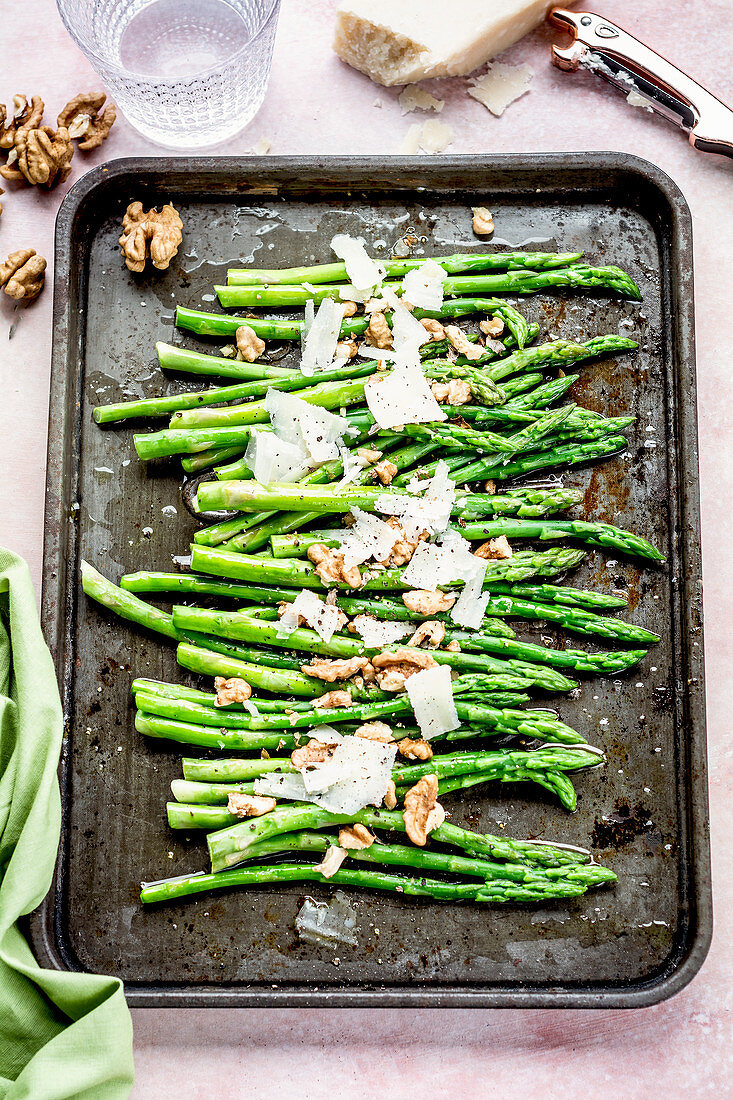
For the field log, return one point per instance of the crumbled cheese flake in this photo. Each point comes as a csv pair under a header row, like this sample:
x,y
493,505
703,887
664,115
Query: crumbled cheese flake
x,y
357,775
423,286
430,692
500,86
376,633
319,345
402,397
414,98
361,269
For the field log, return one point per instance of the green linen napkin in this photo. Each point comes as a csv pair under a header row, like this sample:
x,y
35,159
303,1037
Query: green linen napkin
x,y
61,1034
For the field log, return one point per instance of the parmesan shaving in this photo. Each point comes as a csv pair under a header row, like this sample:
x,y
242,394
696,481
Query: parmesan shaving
x,y
352,466
273,459
430,692
500,86
322,617
407,333
357,775
361,269
435,136
470,607
411,142
423,286
325,925
376,633
402,397
319,345
433,564
430,512
415,98
318,431
351,293
369,537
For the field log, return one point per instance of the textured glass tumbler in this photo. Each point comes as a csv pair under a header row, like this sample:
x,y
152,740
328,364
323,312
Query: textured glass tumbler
x,y
185,73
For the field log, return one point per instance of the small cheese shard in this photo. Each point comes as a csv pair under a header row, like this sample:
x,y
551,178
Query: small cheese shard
x,y
319,345
324,618
636,99
376,633
325,925
411,144
416,39
435,136
361,269
430,692
432,137
357,775
369,537
415,98
423,286
273,459
402,397
500,86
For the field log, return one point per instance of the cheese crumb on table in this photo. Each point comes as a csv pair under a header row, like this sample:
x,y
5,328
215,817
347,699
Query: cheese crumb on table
x,y
415,98
416,39
500,86
432,136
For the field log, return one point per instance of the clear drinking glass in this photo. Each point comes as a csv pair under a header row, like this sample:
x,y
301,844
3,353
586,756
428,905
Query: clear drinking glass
x,y
185,73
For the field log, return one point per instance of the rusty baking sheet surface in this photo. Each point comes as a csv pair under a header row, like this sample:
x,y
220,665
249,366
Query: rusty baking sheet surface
x,y
645,815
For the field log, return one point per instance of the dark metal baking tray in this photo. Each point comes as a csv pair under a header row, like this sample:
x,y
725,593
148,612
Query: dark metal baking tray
x,y
645,815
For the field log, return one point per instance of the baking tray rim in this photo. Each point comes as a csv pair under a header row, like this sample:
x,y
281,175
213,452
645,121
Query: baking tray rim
x,y
44,922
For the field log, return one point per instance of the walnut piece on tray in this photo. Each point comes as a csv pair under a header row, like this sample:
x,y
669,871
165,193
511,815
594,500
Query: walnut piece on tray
x,y
152,234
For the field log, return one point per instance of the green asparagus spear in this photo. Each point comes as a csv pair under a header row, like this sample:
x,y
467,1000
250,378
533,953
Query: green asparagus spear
x,y
336,272
516,281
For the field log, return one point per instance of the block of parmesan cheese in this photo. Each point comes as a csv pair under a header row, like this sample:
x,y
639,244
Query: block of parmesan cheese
x,y
403,41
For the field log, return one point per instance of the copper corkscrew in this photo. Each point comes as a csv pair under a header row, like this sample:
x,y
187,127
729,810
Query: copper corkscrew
x,y
629,65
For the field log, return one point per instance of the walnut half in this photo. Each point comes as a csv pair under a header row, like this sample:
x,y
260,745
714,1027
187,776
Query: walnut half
x,y
39,156
495,548
249,805
81,117
29,114
396,666
232,690
337,669
23,275
422,812
249,345
356,837
482,222
331,568
154,235
423,602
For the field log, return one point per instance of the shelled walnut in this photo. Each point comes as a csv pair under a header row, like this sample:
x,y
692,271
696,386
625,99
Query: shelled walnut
x,y
40,156
153,235
83,118
25,113
23,274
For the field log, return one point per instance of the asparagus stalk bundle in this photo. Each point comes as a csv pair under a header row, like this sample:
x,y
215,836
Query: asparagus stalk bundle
x,y
509,423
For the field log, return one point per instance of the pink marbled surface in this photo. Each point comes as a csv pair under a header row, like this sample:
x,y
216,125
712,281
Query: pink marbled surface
x,y
317,105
